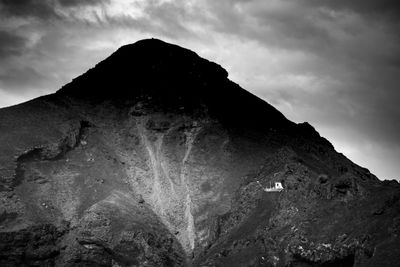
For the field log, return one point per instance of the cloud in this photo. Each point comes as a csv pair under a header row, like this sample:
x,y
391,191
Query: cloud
x,y
74,3
43,9
11,44
387,9
24,79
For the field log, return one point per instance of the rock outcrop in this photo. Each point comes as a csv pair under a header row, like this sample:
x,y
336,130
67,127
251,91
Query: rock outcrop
x,y
152,159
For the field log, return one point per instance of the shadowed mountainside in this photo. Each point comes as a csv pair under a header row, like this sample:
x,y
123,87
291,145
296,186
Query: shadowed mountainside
x,y
152,159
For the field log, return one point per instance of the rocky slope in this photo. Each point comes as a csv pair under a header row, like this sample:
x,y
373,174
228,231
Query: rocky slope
x,y
152,159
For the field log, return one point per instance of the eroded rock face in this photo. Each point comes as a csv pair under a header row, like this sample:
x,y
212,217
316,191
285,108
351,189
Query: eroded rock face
x,y
152,159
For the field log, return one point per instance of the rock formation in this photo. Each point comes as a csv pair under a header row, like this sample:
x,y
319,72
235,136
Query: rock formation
x,y
152,158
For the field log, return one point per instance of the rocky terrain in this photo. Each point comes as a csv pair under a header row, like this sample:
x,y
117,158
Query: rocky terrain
x,y
152,158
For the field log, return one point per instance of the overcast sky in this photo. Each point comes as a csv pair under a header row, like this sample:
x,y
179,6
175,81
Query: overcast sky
x,y
333,63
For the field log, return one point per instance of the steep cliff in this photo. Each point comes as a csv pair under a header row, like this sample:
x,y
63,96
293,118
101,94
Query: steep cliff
x,y
152,159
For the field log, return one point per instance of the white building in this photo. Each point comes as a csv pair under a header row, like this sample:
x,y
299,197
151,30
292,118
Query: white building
x,y
277,187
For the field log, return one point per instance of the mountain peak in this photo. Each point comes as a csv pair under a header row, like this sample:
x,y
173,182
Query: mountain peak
x,y
146,63
171,78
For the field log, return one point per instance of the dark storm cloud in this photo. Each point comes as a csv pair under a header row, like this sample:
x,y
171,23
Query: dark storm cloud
x,y
11,44
42,9
313,26
28,8
74,3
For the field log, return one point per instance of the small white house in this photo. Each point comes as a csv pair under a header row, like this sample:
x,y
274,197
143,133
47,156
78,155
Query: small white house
x,y
276,188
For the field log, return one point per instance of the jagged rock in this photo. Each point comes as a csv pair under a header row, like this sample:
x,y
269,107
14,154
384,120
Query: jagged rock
x,y
155,158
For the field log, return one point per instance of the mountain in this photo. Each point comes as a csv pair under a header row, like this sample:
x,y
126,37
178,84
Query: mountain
x,y
155,158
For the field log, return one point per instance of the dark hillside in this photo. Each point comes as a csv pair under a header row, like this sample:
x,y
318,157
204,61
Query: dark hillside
x,y
155,158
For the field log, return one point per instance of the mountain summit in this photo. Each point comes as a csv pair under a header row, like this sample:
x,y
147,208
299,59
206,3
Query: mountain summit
x,y
174,79
155,158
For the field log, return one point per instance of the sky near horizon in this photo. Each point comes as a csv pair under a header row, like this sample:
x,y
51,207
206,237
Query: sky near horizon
x,y
334,64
